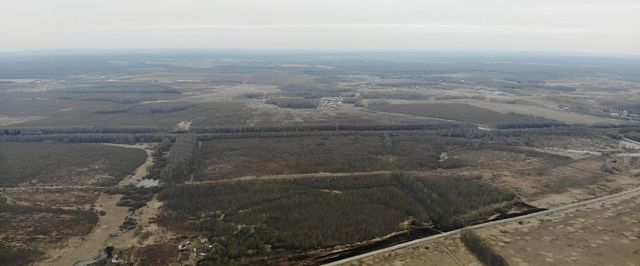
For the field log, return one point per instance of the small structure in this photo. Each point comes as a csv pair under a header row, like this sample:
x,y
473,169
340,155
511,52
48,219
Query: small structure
x,y
204,238
117,260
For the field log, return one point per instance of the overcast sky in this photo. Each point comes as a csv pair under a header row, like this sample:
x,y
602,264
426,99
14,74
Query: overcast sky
x,y
608,26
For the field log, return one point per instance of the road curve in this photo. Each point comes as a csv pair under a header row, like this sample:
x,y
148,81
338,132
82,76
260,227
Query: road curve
x,y
546,212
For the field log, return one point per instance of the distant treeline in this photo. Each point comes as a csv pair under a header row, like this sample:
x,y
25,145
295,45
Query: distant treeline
x,y
515,125
157,108
76,130
294,103
511,133
337,127
405,95
87,138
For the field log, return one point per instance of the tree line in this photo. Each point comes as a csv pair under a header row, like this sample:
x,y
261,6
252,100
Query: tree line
x,y
88,138
182,158
481,249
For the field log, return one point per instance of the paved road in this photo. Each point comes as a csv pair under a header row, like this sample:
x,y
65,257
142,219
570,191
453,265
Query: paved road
x,y
549,211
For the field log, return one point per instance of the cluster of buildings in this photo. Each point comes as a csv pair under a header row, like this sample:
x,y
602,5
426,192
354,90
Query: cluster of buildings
x,y
331,103
199,249
627,115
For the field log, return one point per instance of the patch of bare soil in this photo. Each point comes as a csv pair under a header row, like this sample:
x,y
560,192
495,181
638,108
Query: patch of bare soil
x,y
88,247
107,231
64,197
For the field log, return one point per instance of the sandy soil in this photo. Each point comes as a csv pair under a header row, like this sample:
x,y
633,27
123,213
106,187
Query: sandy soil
x,y
107,230
598,234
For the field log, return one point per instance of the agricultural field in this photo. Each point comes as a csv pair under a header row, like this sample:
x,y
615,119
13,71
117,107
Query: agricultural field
x,y
462,113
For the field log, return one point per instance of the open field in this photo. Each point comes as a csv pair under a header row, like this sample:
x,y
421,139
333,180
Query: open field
x,y
458,112
548,112
77,164
63,197
36,229
598,234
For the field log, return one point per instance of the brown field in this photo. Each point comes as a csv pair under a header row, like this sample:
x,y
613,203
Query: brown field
x,y
53,196
51,164
227,158
550,112
456,112
598,234
42,227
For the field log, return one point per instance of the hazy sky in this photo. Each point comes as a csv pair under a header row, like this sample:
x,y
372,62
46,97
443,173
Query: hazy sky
x,y
610,26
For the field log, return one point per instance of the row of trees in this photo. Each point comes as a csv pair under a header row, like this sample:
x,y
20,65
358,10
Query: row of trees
x,y
481,249
449,202
335,127
181,160
78,130
87,138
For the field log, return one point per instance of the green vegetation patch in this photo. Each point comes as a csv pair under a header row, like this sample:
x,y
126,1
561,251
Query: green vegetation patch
x,y
64,163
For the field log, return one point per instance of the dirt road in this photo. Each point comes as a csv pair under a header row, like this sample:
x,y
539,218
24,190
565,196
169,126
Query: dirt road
x,y
107,230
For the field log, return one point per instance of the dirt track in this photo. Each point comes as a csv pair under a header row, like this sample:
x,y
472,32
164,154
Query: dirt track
x,y
107,230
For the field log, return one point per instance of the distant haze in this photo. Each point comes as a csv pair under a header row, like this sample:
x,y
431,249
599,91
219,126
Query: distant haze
x,y
603,26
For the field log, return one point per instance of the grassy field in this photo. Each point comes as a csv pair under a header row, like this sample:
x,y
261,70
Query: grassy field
x,y
71,164
456,111
296,215
227,158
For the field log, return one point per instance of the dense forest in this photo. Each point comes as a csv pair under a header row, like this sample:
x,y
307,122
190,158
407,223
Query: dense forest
x,y
244,216
181,160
